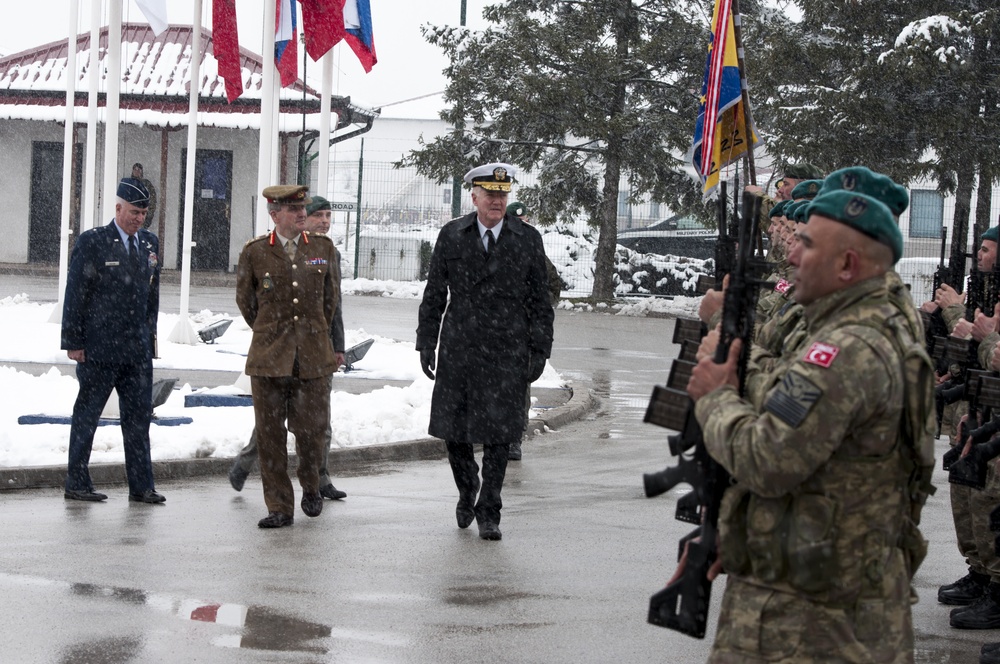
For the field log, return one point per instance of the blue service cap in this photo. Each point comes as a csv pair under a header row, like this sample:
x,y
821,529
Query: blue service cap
x,y
132,190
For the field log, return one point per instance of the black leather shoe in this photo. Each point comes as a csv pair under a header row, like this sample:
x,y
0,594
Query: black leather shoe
x,y
514,453
312,504
332,492
237,477
88,495
275,520
489,531
147,496
965,591
990,656
984,614
991,648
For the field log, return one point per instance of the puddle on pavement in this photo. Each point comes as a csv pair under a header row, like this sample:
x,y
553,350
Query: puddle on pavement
x,y
260,627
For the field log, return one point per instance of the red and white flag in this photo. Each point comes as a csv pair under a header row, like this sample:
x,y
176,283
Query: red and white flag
x,y
155,12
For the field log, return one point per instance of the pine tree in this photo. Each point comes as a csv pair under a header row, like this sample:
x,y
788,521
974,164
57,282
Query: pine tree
x,y
583,94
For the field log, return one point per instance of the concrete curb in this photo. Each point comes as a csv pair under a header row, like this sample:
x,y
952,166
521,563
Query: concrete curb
x,y
349,459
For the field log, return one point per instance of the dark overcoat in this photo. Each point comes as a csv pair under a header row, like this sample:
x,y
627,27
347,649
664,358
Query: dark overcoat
x,y
497,316
111,305
289,305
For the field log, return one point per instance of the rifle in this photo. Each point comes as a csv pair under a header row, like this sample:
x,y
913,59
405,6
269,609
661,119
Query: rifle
x,y
934,325
725,249
971,469
683,604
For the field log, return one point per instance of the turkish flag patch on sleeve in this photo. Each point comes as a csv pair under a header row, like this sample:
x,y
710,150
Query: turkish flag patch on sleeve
x,y
821,354
782,286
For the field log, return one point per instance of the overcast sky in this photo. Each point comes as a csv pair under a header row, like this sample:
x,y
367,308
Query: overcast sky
x,y
408,67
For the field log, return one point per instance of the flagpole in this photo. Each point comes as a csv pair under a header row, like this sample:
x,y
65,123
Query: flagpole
x,y
65,230
111,107
751,169
93,71
183,332
267,92
326,91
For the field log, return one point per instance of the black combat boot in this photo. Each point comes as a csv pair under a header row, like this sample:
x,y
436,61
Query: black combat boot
x,y
990,653
965,591
984,614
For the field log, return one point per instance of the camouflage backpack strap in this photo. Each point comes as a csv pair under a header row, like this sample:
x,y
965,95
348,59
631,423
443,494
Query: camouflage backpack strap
x,y
916,431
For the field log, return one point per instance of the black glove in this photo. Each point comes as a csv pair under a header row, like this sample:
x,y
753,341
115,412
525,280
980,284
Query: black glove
x,y
427,362
536,365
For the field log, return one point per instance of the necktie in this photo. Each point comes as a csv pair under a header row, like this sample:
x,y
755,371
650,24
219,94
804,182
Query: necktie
x,y
290,249
133,253
490,242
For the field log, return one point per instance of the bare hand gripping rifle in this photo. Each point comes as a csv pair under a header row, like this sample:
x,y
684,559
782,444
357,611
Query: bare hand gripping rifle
x,y
683,604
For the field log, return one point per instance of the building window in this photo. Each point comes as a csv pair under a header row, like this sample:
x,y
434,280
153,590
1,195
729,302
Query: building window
x,y
447,195
926,213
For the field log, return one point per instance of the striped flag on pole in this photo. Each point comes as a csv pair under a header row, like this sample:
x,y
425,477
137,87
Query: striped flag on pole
x,y
358,22
720,134
286,42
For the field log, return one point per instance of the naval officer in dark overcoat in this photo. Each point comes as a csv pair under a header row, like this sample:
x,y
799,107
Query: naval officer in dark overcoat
x,y
485,326
108,328
288,288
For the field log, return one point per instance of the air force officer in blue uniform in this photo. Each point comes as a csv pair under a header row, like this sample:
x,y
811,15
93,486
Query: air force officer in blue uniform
x,y
108,329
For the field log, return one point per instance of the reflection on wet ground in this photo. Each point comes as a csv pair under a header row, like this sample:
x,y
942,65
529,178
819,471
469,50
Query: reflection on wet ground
x,y
103,651
260,627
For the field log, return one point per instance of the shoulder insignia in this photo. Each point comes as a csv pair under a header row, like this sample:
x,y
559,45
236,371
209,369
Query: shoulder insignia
x,y
792,400
255,239
782,286
820,354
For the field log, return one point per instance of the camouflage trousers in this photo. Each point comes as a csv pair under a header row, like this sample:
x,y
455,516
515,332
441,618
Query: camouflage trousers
x,y
758,624
981,503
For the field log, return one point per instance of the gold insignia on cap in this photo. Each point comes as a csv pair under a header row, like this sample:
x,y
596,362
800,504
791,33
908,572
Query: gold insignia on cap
x,y
855,207
287,193
813,187
499,174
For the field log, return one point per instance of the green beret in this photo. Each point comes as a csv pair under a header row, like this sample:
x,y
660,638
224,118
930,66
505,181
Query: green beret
x,y
802,171
862,213
807,189
868,182
517,209
991,234
794,210
318,203
778,210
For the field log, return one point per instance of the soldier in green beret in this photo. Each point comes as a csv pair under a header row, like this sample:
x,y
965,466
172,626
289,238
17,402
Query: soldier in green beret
x,y
806,190
518,209
977,594
824,511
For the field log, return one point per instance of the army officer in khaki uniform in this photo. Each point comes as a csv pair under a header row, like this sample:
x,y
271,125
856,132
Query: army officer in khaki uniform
x,y
287,289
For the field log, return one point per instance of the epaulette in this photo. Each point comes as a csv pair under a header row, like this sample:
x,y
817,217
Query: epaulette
x,y
256,239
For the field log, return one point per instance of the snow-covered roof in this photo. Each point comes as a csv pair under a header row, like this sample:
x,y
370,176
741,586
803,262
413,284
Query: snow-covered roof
x,y
155,81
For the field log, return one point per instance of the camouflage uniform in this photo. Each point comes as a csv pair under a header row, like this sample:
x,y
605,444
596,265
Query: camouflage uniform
x,y
819,537
970,508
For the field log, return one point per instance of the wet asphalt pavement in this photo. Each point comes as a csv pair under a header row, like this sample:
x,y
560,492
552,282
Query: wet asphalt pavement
x,y
385,575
